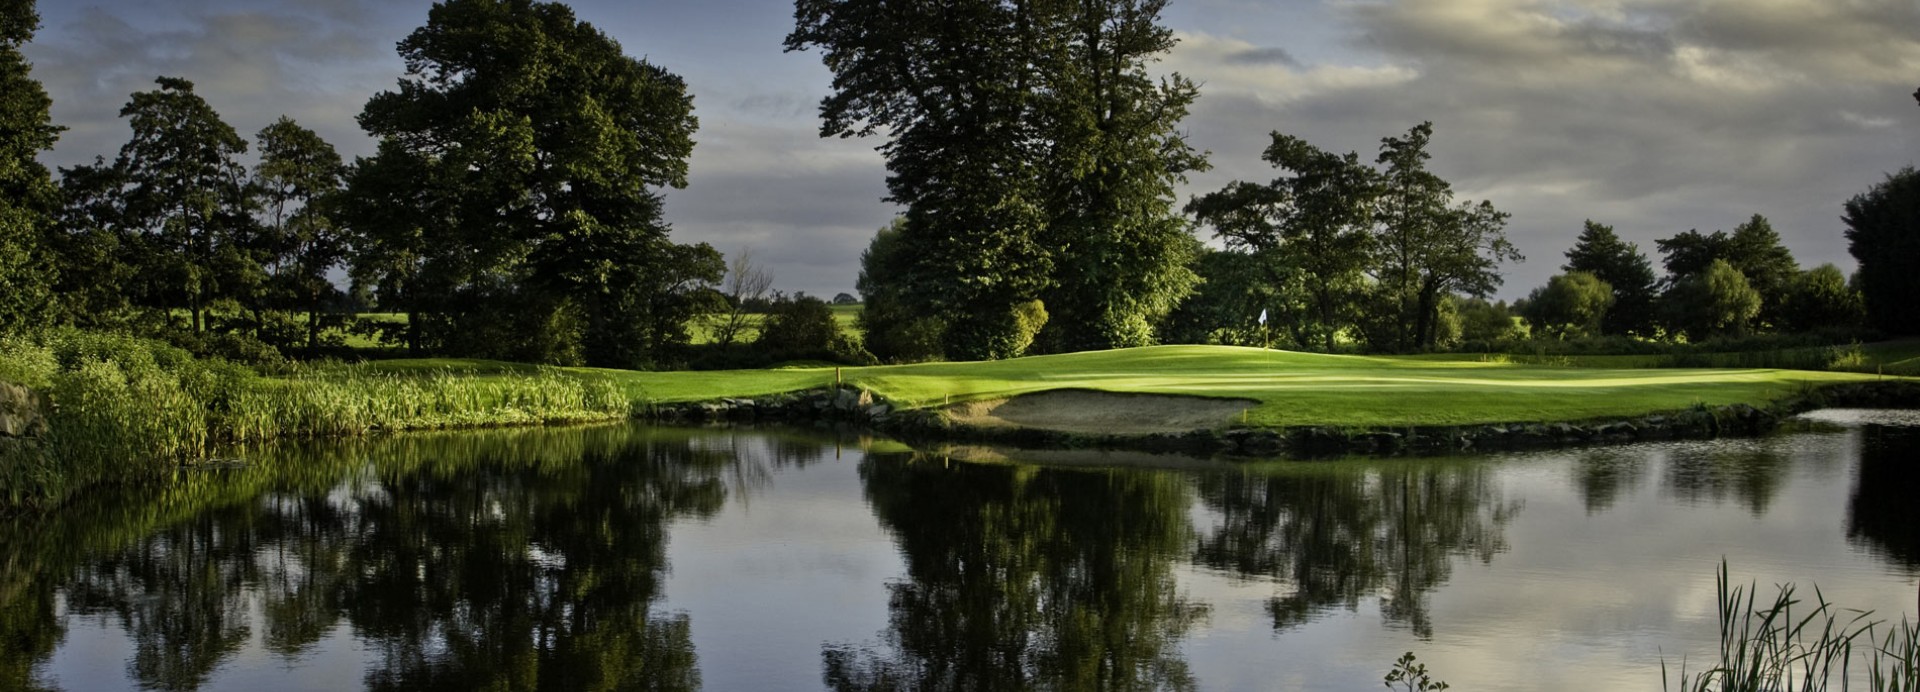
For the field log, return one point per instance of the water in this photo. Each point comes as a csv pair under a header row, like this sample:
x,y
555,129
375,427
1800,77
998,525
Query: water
x,y
752,560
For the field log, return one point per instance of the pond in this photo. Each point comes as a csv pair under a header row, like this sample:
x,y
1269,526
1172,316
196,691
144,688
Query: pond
x,y
630,556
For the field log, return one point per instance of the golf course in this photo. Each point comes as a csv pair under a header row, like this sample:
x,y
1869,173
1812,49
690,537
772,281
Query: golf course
x,y
1258,387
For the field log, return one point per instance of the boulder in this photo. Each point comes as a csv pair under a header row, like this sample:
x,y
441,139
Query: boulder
x,y
22,412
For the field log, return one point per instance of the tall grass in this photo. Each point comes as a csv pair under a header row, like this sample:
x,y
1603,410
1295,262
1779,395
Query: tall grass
x,y
125,408
1767,647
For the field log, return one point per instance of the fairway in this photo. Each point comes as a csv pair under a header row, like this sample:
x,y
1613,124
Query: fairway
x,y
1290,388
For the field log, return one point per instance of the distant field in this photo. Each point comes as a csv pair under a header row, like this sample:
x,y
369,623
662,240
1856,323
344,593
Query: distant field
x,y
1291,388
700,330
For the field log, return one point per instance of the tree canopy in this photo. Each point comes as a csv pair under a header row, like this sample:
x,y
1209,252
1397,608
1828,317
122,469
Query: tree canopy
x,y
1622,266
1883,234
27,192
1034,155
1312,229
537,148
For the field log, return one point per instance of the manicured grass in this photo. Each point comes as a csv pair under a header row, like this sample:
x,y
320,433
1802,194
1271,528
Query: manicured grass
x,y
1291,388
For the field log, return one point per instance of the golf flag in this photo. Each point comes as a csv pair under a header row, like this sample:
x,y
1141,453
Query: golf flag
x,y
1263,317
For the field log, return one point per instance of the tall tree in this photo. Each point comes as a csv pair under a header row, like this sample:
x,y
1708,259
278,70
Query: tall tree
x,y
1624,267
1883,234
1034,154
1312,229
187,196
895,332
27,194
1821,299
298,170
1754,249
1712,303
546,146
953,85
1429,248
1570,305
1121,250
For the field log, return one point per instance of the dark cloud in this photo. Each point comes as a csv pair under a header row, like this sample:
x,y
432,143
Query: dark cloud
x,y
1652,115
317,63
1655,116
1263,56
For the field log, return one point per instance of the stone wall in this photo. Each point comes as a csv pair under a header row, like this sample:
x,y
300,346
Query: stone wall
x,y
850,408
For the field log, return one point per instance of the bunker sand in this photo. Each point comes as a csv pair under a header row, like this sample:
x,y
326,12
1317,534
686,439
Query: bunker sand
x,y
1094,412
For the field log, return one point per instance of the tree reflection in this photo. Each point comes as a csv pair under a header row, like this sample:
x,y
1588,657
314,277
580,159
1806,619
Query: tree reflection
x,y
1022,577
1603,474
1333,535
509,560
1749,471
1880,510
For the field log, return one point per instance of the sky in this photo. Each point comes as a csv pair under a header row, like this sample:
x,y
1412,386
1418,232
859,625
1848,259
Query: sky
x,y
1653,116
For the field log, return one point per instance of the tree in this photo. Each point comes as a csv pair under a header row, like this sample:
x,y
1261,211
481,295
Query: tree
x,y
542,147
1235,288
297,171
187,199
1621,265
1112,154
1753,248
1820,298
1312,229
1429,249
895,332
952,84
27,193
1484,322
1570,305
1883,234
746,284
802,327
844,298
1714,302
1033,153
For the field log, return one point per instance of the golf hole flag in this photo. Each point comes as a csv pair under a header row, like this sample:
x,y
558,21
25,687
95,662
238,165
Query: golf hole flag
x,y
1263,317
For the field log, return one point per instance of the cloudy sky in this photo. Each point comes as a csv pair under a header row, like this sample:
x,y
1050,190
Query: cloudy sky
x,y
1655,116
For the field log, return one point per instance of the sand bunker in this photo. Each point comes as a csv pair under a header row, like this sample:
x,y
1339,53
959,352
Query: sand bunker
x,y
1091,412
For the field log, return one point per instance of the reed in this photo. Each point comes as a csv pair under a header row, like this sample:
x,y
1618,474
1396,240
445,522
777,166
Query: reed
x,y
1769,647
127,408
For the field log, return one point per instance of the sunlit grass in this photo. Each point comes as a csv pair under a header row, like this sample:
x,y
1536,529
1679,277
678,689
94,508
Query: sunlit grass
x,y
1291,388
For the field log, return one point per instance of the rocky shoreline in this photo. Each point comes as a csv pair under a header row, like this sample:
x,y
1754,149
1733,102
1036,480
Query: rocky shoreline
x,y
859,410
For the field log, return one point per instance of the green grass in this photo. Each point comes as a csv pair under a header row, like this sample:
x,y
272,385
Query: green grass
x,y
1291,388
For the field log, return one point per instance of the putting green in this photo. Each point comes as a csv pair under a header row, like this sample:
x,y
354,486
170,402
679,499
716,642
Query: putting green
x,y
1291,388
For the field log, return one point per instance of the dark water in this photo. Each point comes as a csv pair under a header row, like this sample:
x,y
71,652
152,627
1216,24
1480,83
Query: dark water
x,y
631,557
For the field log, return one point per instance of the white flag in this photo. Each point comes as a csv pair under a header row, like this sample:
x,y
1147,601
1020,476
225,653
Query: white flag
x,y
1263,317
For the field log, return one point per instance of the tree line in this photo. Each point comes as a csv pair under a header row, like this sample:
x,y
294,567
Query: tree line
x,y
513,209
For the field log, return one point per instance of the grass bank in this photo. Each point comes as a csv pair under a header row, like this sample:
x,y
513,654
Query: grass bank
x,y
123,407
130,407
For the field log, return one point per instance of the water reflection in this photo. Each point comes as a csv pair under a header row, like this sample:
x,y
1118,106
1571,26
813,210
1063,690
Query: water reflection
x,y
1021,577
1602,475
1880,513
1333,534
538,559
1751,472
523,560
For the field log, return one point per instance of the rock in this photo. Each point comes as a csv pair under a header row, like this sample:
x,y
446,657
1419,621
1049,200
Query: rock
x,y
21,412
878,410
